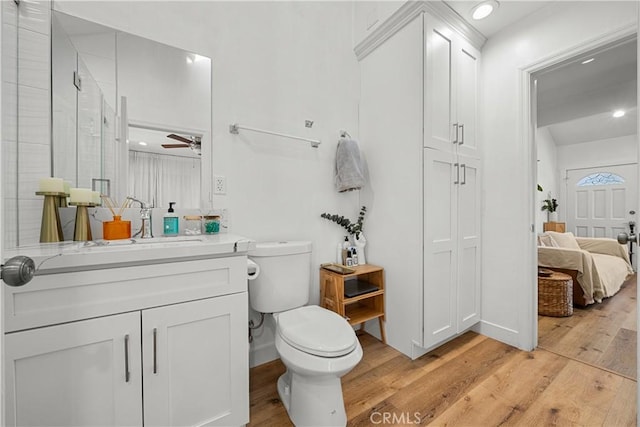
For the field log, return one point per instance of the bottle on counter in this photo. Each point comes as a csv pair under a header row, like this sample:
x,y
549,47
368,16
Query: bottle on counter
x,y
171,221
349,262
345,249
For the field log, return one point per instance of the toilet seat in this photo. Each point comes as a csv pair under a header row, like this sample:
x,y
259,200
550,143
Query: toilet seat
x,y
316,331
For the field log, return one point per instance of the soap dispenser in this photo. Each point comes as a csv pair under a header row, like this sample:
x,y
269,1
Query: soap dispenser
x,y
170,221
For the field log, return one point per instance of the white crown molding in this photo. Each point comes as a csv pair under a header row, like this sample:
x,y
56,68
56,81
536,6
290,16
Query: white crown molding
x,y
406,13
440,10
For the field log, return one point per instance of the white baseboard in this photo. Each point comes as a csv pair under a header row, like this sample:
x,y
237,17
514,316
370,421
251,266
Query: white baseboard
x,y
497,332
262,354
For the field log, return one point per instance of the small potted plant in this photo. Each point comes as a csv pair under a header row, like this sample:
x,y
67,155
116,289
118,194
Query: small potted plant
x,y
353,228
550,205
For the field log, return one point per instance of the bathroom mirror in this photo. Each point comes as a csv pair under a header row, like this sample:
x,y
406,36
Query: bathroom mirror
x,y
114,92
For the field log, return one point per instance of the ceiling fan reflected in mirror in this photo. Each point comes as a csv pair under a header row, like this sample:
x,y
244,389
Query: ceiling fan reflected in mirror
x,y
193,142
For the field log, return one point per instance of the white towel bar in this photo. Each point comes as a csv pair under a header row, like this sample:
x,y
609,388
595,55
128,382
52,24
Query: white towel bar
x,y
234,129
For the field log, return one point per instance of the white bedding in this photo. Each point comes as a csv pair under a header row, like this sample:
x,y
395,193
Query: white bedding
x,y
602,265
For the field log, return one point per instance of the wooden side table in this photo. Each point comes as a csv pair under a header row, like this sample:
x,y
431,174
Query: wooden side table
x,y
560,227
357,309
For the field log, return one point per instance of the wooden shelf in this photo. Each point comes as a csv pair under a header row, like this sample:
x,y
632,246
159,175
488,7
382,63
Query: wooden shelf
x,y
357,314
352,300
560,227
358,309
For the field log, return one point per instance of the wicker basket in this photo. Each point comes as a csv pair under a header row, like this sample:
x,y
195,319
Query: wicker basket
x,y
555,295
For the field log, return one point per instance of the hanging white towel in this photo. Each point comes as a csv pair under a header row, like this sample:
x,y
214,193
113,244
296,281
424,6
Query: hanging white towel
x,y
349,170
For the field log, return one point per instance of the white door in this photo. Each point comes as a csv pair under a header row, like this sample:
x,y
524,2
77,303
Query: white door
x,y
83,373
601,201
466,87
196,363
469,204
438,97
441,178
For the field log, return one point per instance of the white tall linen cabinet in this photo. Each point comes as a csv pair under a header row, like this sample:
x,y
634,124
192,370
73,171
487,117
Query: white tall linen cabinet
x,y
418,124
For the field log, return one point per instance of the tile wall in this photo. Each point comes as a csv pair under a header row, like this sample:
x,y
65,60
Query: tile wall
x,y
26,130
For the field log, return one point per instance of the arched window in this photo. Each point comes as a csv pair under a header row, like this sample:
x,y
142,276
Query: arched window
x,y
600,178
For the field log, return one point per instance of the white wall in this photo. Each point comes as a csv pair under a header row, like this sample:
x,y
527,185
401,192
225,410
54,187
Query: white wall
x,y
547,173
507,290
275,64
369,15
604,152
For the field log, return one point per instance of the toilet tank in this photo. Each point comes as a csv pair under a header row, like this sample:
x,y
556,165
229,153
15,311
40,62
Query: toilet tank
x,y
285,276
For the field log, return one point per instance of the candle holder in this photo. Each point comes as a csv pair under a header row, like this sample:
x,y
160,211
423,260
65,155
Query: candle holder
x,y
82,230
50,227
62,201
116,229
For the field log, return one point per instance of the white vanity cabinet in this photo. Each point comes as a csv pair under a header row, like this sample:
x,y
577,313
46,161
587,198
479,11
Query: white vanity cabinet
x,y
195,368
75,374
163,344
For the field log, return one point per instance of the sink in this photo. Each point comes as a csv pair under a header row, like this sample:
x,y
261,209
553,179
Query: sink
x,y
106,245
166,239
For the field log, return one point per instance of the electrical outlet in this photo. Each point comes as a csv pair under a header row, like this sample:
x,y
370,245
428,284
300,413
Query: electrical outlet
x,y
219,184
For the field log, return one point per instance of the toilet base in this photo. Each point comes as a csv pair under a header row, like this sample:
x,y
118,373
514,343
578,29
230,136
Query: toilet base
x,y
312,401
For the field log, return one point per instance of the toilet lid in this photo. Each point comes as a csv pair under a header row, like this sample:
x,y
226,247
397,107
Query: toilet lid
x,y
316,331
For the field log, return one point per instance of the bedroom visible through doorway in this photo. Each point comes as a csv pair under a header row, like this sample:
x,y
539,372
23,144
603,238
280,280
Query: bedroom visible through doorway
x,y
587,149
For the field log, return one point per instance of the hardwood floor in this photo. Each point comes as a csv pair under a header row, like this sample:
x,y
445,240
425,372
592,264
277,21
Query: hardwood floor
x,y
603,335
471,381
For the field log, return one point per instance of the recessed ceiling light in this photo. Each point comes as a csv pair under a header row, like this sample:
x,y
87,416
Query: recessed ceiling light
x,y
142,143
484,9
618,113
588,60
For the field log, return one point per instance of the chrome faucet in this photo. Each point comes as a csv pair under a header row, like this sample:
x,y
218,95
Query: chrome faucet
x,y
145,215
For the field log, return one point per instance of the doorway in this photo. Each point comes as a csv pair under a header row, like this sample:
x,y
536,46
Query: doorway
x,y
587,162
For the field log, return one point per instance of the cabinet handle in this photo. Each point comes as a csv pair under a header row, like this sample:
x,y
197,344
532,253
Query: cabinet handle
x,y
127,374
461,127
455,141
155,350
457,181
464,174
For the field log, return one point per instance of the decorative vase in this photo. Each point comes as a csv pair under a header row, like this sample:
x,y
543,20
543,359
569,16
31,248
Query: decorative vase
x,y
553,216
360,242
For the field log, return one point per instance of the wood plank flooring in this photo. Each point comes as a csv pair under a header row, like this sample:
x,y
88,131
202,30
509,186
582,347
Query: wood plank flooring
x,y
603,335
470,381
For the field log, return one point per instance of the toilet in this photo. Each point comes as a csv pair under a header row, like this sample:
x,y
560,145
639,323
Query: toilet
x,y
317,346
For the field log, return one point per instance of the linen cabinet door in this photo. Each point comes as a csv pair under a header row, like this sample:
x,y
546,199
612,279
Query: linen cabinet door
x,y
196,363
439,109
84,373
441,178
469,202
466,82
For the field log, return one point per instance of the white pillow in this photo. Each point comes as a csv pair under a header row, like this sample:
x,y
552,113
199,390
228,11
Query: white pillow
x,y
564,240
546,241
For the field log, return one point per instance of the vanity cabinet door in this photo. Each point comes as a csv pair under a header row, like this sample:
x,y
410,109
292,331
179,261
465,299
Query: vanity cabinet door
x,y
196,358
77,374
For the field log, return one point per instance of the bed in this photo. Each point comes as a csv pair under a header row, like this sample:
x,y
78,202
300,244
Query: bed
x,y
598,266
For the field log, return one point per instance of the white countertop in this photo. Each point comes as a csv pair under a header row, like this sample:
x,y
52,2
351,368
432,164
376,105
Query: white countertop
x,y
76,256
